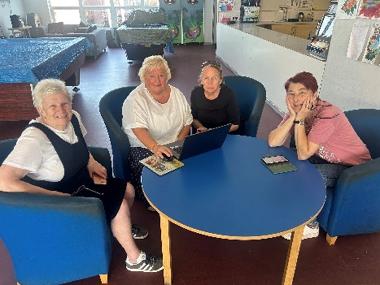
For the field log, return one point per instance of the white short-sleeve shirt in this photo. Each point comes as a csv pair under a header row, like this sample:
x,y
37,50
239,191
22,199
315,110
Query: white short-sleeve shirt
x,y
163,121
35,153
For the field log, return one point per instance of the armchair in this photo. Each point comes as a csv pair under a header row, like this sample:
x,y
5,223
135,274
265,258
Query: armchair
x,y
110,110
353,206
96,37
54,239
251,96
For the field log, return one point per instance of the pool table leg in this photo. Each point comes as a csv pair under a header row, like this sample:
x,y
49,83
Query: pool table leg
x,y
166,257
291,260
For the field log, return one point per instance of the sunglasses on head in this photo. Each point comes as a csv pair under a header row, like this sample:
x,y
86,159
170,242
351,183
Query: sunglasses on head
x,y
212,63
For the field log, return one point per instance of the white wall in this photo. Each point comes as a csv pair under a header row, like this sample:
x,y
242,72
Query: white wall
x,y
269,63
344,82
15,7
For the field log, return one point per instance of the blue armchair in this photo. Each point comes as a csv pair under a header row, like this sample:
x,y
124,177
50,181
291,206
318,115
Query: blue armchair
x,y
353,207
251,96
110,109
54,239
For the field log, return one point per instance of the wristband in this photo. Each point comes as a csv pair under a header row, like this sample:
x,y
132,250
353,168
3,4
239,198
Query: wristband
x,y
299,122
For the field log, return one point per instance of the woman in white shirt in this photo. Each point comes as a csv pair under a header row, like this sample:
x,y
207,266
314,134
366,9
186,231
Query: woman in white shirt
x,y
154,114
51,157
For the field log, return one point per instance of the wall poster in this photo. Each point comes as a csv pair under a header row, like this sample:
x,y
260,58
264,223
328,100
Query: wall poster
x,y
348,9
364,44
372,51
370,9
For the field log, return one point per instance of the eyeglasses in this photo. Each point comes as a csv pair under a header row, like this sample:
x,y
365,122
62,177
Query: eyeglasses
x,y
83,189
211,63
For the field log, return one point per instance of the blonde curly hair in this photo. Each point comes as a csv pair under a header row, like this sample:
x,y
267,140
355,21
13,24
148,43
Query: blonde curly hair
x,y
152,62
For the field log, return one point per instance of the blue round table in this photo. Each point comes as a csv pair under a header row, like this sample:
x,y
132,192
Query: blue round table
x,y
228,193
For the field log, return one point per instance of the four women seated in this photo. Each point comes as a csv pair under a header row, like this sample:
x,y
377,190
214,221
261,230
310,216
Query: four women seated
x,y
51,156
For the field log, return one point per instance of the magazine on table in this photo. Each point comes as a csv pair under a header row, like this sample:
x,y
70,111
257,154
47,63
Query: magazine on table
x,y
161,166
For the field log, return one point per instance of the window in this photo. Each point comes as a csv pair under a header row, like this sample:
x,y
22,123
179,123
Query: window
x,y
151,3
68,16
99,17
136,3
100,3
100,12
65,3
122,15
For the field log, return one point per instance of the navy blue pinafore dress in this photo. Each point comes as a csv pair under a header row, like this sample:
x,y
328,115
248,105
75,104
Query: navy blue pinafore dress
x,y
74,158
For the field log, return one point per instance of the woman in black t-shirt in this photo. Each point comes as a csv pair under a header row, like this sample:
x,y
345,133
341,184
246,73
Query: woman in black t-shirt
x,y
213,104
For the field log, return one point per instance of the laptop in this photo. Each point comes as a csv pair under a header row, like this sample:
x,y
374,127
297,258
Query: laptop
x,y
200,142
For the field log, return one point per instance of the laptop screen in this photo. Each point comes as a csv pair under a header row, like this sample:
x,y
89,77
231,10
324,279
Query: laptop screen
x,y
200,142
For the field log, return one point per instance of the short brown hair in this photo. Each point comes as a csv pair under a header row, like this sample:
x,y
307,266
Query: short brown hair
x,y
305,78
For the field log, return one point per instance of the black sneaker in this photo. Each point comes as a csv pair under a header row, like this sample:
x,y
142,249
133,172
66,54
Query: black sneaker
x,y
145,264
139,232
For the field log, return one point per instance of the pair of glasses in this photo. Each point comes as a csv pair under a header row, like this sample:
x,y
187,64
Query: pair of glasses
x,y
82,189
212,63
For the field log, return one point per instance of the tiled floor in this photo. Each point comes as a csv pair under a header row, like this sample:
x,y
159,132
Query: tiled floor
x,y
202,260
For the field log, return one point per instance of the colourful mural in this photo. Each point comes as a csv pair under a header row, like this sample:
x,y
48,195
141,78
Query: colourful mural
x,y
172,9
185,20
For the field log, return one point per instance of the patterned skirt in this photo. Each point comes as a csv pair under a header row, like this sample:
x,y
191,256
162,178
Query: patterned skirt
x,y
135,155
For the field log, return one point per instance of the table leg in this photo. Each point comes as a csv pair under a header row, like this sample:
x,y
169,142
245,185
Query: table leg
x,y
166,258
291,260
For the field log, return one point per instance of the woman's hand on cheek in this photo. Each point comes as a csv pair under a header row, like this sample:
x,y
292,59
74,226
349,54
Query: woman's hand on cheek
x,y
292,113
305,109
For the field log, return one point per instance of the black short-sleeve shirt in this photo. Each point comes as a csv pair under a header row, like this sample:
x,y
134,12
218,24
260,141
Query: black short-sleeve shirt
x,y
213,113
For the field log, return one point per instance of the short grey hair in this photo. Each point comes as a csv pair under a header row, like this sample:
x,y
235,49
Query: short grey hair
x,y
47,87
152,62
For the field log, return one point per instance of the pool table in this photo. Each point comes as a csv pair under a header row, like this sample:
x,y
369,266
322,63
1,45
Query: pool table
x,y
26,61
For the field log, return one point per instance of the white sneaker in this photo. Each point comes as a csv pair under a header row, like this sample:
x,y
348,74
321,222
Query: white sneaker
x,y
145,263
311,230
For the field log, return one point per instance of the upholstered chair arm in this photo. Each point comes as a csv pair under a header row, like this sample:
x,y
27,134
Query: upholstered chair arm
x,y
54,239
356,206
